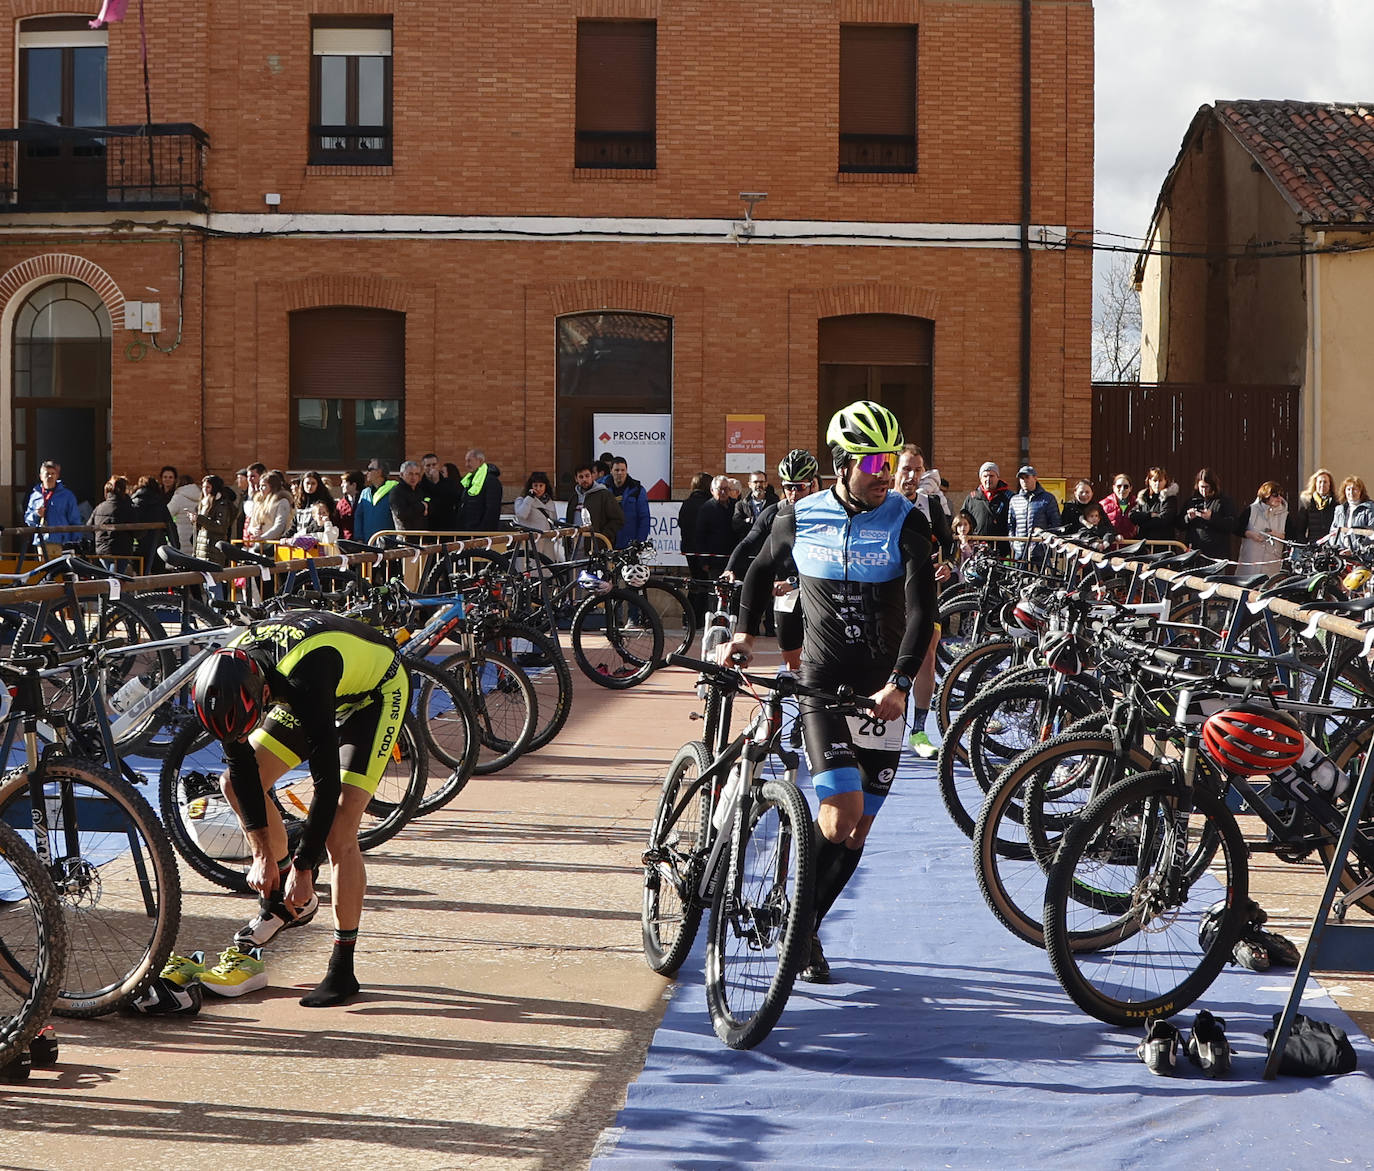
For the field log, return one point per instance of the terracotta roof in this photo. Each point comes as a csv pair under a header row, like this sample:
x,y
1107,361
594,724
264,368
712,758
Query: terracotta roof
x,y
1320,155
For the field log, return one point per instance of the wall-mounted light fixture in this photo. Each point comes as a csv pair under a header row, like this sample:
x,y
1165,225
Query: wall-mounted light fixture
x,y
742,231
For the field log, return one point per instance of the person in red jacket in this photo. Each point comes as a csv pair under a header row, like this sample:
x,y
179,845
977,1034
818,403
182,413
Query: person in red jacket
x,y
1117,505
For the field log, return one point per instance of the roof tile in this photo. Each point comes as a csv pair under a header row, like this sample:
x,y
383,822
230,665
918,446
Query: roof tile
x,y
1320,154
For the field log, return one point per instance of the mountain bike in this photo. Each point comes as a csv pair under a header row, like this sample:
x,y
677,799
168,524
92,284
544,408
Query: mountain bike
x,y
732,832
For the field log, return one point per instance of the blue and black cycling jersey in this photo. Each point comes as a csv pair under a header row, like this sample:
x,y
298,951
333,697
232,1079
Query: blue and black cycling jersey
x,y
867,587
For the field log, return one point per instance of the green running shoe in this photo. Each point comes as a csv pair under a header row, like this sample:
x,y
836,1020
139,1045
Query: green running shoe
x,y
185,970
921,745
236,973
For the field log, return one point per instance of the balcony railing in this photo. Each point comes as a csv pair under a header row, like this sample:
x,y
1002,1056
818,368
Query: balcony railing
x,y
103,168
616,150
877,153
350,146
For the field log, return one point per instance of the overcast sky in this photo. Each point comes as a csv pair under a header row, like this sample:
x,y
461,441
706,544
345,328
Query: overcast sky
x,y
1159,60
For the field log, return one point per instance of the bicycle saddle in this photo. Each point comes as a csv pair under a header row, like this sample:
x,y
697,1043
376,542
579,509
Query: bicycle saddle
x,y
71,563
1342,606
239,555
176,559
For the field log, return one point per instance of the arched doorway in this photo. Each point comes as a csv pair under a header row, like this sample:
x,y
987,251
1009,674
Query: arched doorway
x,y
61,389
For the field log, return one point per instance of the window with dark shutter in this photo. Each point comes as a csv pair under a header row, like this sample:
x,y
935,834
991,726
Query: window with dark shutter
x,y
347,387
878,97
350,91
616,63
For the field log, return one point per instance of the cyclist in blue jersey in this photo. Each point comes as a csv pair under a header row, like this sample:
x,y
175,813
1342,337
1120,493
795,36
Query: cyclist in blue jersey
x,y
863,559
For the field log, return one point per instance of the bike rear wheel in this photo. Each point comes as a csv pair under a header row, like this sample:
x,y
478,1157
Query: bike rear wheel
x,y
617,639
671,912
674,612
761,917
205,830
1112,880
541,658
503,703
33,945
116,879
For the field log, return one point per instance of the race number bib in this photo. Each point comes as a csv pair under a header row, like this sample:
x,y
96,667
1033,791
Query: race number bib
x,y
884,736
786,603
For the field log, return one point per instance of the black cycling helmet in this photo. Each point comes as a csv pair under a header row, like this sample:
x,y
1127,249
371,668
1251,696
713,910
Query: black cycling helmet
x,y
228,693
798,466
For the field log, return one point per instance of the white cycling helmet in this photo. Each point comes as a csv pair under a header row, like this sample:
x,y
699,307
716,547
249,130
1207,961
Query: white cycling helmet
x,y
636,576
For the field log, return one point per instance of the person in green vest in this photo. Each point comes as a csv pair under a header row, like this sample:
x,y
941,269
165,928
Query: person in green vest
x,y
373,512
479,506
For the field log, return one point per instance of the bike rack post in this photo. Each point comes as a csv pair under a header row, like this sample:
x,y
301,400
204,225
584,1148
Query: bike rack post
x,y
1344,947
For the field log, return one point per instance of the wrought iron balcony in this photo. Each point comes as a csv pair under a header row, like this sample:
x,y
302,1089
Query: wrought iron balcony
x,y
346,145
103,168
615,150
877,153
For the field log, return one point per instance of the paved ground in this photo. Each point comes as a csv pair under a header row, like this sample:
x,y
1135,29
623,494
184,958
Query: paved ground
x,y
507,1003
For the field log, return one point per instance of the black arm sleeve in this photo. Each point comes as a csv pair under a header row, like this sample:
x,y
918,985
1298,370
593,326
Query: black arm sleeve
x,y
920,594
757,595
246,783
752,541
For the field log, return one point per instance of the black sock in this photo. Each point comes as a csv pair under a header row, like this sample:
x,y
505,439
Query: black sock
x,y
918,718
835,866
339,985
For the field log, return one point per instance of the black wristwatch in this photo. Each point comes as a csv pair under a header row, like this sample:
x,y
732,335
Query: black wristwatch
x,y
901,682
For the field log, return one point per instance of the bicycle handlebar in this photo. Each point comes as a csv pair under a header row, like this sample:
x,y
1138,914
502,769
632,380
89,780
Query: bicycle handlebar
x,y
784,684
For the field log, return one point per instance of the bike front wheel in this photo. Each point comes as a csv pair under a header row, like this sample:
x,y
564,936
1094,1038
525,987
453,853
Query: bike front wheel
x,y
115,874
761,917
671,912
1120,880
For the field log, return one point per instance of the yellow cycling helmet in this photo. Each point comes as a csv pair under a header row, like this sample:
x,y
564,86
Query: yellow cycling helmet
x,y
863,428
1356,578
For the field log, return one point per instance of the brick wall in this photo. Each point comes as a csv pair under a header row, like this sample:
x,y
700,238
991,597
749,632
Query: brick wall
x,y
484,125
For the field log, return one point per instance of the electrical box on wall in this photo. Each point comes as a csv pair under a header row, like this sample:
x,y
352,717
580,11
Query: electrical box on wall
x,y
143,316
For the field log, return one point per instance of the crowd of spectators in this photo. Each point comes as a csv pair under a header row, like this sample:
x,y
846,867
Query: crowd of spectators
x,y
1203,517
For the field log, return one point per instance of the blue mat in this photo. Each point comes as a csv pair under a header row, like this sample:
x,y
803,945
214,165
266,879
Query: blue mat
x,y
946,1042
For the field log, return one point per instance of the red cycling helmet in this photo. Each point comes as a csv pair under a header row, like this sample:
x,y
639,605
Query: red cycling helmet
x,y
1250,739
228,693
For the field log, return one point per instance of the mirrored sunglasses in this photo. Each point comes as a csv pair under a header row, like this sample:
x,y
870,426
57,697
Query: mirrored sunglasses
x,y
883,463
793,485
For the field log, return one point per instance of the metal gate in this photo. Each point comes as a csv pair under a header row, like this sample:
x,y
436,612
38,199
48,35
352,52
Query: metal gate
x,y
1246,434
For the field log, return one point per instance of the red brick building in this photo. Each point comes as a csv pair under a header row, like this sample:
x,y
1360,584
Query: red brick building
x,y
392,226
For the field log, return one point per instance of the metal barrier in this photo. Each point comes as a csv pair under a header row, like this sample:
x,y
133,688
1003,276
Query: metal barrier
x,y
15,562
227,575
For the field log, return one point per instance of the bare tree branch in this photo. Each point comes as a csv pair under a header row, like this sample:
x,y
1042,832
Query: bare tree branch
x,y
1116,325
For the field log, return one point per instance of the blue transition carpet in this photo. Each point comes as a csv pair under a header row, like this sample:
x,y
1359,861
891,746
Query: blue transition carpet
x,y
946,1042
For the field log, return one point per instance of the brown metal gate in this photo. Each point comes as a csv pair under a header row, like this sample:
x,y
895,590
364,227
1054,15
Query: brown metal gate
x,y
1246,434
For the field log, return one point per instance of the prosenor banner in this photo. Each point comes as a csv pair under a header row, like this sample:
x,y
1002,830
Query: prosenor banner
x,y
645,442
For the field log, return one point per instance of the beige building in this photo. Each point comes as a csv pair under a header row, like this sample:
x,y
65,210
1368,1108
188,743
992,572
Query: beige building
x,y
1259,270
